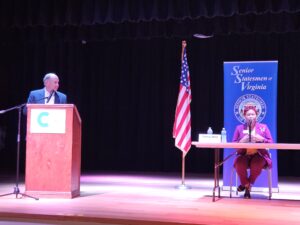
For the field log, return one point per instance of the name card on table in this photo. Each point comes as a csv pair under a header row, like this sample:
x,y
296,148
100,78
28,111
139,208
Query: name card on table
x,y
209,138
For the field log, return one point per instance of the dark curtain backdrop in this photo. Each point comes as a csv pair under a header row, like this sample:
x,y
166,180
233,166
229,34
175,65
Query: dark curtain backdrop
x,y
126,92
95,20
124,76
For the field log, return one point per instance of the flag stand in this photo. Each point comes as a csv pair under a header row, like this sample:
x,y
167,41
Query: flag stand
x,y
183,186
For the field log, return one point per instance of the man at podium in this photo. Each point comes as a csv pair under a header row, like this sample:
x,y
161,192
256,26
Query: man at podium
x,y
48,94
53,143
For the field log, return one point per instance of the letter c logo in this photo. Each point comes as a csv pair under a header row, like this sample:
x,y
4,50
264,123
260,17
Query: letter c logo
x,y
40,118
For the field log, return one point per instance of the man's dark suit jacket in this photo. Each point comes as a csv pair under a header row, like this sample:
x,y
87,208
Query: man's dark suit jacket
x,y
38,97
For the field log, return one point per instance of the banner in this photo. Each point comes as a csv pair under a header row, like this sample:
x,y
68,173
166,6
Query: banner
x,y
250,83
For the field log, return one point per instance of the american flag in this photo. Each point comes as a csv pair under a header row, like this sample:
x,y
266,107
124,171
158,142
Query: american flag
x,y
182,123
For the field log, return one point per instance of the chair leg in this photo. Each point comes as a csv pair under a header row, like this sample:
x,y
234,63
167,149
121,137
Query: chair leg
x,y
230,189
270,182
231,176
236,184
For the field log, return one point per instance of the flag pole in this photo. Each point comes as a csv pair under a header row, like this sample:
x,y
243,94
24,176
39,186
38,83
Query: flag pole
x,y
183,44
183,185
183,170
185,96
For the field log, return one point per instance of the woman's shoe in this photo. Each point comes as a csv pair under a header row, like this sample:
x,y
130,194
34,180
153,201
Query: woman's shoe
x,y
247,193
241,188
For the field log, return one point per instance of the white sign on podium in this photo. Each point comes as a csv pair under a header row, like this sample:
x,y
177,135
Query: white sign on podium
x,y
48,121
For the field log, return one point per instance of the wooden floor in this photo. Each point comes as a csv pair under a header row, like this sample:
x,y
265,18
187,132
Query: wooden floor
x,y
151,199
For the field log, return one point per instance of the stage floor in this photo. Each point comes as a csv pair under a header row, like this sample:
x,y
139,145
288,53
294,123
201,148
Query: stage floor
x,y
108,198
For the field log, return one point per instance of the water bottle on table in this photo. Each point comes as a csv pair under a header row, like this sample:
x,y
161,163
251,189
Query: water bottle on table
x,y
223,136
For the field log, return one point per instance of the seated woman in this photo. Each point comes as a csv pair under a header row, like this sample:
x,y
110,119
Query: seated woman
x,y
255,159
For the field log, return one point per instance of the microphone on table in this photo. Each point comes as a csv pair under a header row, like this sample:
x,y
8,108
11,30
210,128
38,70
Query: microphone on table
x,y
249,127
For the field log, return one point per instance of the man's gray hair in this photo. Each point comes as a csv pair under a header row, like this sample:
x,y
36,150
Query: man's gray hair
x,y
48,76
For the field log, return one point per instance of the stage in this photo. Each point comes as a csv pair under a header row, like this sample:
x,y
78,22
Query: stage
x,y
142,198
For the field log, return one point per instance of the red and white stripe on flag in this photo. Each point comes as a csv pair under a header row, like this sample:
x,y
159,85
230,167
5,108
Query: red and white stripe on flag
x,y
182,123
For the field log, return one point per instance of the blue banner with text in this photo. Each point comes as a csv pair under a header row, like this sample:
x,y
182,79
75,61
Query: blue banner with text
x,y
250,83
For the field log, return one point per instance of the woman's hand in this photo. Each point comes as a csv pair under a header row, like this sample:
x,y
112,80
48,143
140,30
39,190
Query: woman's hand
x,y
244,139
257,138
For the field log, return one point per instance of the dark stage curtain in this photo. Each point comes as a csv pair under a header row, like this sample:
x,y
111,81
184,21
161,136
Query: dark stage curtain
x,y
119,62
126,92
88,12
94,20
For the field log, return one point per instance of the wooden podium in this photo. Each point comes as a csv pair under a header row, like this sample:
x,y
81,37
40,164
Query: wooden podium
x,y
53,151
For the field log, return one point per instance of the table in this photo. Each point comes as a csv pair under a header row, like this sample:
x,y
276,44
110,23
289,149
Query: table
x,y
218,163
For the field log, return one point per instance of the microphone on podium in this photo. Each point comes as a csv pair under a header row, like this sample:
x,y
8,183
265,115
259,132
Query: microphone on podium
x,y
50,96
